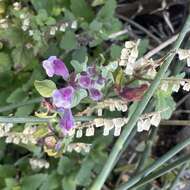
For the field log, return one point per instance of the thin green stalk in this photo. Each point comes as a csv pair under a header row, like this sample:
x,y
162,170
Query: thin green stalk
x,y
14,106
176,180
155,165
138,111
29,119
166,169
147,151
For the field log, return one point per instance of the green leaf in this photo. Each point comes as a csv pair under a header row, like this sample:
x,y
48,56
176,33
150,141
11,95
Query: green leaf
x,y
80,54
17,96
11,184
98,2
69,41
65,166
81,9
165,103
45,87
69,183
43,4
33,182
108,10
115,51
143,46
21,56
84,175
78,96
51,182
7,171
25,110
79,67
5,62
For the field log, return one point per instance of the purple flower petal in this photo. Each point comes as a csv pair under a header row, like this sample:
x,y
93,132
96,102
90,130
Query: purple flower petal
x,y
85,81
95,94
48,66
67,121
101,80
62,98
91,70
54,66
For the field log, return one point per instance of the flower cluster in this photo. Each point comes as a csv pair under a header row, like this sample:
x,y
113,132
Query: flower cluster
x,y
63,97
144,123
128,56
17,6
184,54
90,80
88,128
24,137
113,104
36,163
4,23
175,84
79,147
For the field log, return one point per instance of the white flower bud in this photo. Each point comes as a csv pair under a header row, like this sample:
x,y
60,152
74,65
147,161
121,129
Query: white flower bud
x,y
99,112
118,122
53,30
99,122
90,131
79,133
176,87
117,131
186,87
155,120
74,25
16,140
9,139
164,86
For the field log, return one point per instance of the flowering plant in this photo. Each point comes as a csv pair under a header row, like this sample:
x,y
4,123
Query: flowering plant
x,y
75,78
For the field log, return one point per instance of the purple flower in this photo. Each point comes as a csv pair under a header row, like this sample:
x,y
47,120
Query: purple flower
x,y
67,121
54,66
85,81
62,98
92,71
101,80
95,94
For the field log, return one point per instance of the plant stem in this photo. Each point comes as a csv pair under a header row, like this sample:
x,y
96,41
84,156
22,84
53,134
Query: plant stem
x,y
155,165
138,111
176,180
24,120
175,122
162,171
147,151
14,106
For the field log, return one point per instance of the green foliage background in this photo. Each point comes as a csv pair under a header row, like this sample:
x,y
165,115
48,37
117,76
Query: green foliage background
x,y
20,65
21,55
